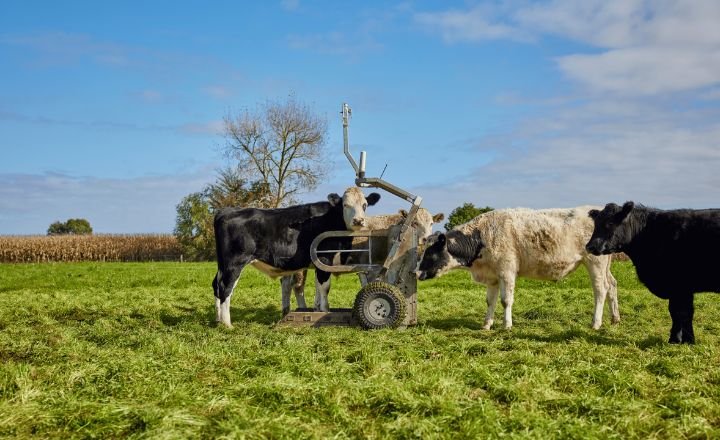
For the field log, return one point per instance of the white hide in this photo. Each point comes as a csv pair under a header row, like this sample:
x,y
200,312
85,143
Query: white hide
x,y
544,244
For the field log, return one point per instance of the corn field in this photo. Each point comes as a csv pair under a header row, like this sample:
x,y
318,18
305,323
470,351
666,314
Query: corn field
x,y
66,248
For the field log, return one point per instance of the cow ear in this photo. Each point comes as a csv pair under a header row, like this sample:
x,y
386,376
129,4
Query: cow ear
x,y
403,213
334,199
372,199
593,213
626,208
437,218
441,239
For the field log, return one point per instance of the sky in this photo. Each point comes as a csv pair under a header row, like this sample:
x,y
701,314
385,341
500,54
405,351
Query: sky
x,y
112,111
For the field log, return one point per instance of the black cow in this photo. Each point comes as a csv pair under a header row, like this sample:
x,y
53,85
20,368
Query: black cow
x,y
675,253
277,241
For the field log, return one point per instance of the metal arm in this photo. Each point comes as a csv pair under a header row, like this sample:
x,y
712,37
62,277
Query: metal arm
x,y
346,113
363,181
375,182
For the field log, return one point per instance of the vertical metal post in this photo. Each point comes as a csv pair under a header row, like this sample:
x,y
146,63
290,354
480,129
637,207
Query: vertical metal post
x,y
361,171
346,113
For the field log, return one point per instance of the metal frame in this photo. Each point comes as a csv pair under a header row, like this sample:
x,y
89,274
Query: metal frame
x,y
376,182
397,268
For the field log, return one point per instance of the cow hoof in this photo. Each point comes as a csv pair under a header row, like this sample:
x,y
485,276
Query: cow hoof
x,y
285,310
615,320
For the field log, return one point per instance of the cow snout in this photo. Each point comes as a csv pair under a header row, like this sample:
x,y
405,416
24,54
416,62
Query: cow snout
x,y
595,247
358,222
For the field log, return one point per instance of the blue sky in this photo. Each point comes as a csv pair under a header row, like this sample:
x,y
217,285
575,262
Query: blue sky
x,y
112,111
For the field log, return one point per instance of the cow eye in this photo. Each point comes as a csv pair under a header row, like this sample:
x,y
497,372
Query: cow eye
x,y
364,206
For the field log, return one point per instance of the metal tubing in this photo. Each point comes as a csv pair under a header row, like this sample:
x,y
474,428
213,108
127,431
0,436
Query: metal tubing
x,y
346,112
361,171
389,187
345,268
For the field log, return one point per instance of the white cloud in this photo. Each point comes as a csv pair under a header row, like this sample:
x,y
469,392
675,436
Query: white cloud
x,y
645,70
217,92
151,96
212,127
335,43
56,48
187,128
594,153
30,202
645,48
477,24
290,5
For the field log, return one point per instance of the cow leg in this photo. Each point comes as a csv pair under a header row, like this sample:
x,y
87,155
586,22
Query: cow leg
x,y
223,286
611,284
293,283
299,288
286,285
322,288
216,293
492,296
597,271
681,311
507,297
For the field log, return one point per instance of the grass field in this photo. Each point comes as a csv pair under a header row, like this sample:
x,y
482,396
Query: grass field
x,y
129,350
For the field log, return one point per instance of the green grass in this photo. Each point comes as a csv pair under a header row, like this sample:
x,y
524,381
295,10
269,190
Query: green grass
x,y
129,350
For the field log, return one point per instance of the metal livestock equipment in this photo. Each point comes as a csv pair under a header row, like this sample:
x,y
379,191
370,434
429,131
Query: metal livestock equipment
x,y
385,259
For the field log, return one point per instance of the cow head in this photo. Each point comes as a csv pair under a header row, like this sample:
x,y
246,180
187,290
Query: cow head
x,y
354,205
423,222
611,231
444,252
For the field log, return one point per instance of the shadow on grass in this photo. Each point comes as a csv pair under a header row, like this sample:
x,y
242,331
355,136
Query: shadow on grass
x,y
265,315
182,315
453,323
651,342
592,336
588,335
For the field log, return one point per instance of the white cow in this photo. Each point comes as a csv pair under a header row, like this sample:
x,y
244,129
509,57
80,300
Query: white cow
x,y
500,245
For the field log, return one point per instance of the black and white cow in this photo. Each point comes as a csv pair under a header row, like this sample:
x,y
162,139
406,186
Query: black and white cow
x,y
277,241
675,253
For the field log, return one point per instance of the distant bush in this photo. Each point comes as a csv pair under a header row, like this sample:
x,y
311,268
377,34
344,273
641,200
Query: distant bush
x,y
66,248
74,226
463,214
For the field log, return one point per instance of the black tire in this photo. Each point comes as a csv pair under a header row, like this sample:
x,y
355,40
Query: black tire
x,y
379,305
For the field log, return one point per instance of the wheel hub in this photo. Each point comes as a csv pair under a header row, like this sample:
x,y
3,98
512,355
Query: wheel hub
x,y
379,308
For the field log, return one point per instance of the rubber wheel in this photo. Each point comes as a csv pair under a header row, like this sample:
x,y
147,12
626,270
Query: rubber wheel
x,y
379,305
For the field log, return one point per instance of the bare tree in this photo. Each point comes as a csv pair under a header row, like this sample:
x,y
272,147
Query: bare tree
x,y
281,144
